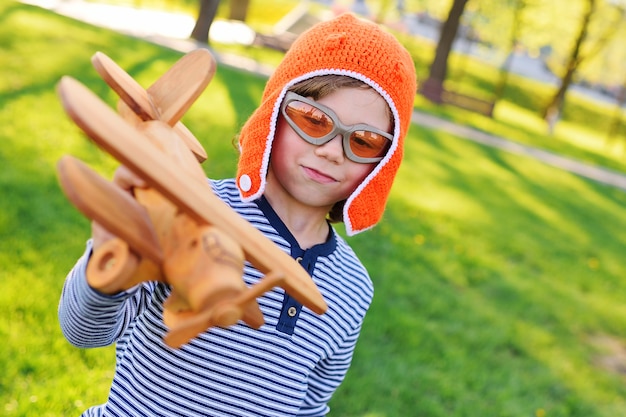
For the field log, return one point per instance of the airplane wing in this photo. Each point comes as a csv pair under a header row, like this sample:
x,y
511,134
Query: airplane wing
x,y
109,205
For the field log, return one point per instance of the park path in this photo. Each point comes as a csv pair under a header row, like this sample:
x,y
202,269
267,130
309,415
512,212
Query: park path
x,y
595,173
172,30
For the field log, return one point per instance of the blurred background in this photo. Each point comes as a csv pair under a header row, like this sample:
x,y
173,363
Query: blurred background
x,y
499,266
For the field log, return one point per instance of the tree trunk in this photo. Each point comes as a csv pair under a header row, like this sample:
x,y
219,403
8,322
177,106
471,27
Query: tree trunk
x,y
433,86
239,10
555,106
208,10
617,118
506,65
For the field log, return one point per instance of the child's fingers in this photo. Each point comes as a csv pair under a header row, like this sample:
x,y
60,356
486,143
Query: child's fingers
x,y
99,235
127,180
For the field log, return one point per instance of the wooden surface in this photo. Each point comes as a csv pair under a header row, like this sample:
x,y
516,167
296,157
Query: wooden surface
x,y
175,230
193,196
169,97
107,204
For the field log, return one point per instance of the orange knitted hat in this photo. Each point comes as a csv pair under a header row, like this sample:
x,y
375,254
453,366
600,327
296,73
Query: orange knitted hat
x,y
347,46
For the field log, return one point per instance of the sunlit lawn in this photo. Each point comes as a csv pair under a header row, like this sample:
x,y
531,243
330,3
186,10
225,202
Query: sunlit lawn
x,y
499,280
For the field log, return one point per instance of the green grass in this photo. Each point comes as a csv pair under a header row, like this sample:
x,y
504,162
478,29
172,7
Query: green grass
x,y
499,280
496,277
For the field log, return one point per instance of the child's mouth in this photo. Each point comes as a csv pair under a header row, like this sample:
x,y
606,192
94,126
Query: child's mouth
x,y
318,176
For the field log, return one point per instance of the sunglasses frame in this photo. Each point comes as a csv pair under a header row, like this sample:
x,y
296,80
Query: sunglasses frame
x,y
338,128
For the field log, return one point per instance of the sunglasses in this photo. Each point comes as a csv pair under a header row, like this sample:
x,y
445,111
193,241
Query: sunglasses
x,y
317,124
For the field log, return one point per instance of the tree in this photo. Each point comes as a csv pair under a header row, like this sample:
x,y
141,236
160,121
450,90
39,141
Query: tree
x,y
577,56
555,105
432,88
206,15
239,10
617,117
513,40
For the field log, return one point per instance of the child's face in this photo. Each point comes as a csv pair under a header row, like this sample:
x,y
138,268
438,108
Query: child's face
x,y
322,175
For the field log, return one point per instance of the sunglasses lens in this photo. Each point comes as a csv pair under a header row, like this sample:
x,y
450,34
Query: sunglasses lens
x,y
312,121
367,144
317,126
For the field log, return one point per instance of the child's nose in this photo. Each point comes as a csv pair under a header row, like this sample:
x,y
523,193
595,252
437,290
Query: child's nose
x,y
332,150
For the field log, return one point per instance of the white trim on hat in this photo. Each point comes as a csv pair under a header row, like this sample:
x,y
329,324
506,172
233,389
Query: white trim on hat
x,y
274,122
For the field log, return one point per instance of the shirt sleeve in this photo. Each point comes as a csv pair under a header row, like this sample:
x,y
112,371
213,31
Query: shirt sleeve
x,y
327,376
89,318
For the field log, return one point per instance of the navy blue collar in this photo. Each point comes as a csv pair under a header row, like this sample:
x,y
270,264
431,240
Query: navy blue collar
x,y
321,249
291,308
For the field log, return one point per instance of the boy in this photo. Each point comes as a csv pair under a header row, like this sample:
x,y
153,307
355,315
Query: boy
x,y
323,146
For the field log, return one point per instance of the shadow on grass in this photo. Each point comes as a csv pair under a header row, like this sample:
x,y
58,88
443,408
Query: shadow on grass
x,y
489,312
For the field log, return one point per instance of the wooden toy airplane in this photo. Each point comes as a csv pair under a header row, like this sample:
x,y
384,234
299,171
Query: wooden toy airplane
x,y
175,231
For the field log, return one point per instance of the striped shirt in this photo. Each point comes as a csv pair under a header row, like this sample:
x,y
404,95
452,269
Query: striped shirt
x,y
291,366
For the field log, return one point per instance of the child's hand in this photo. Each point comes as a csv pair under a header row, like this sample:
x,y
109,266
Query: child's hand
x,y
126,180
